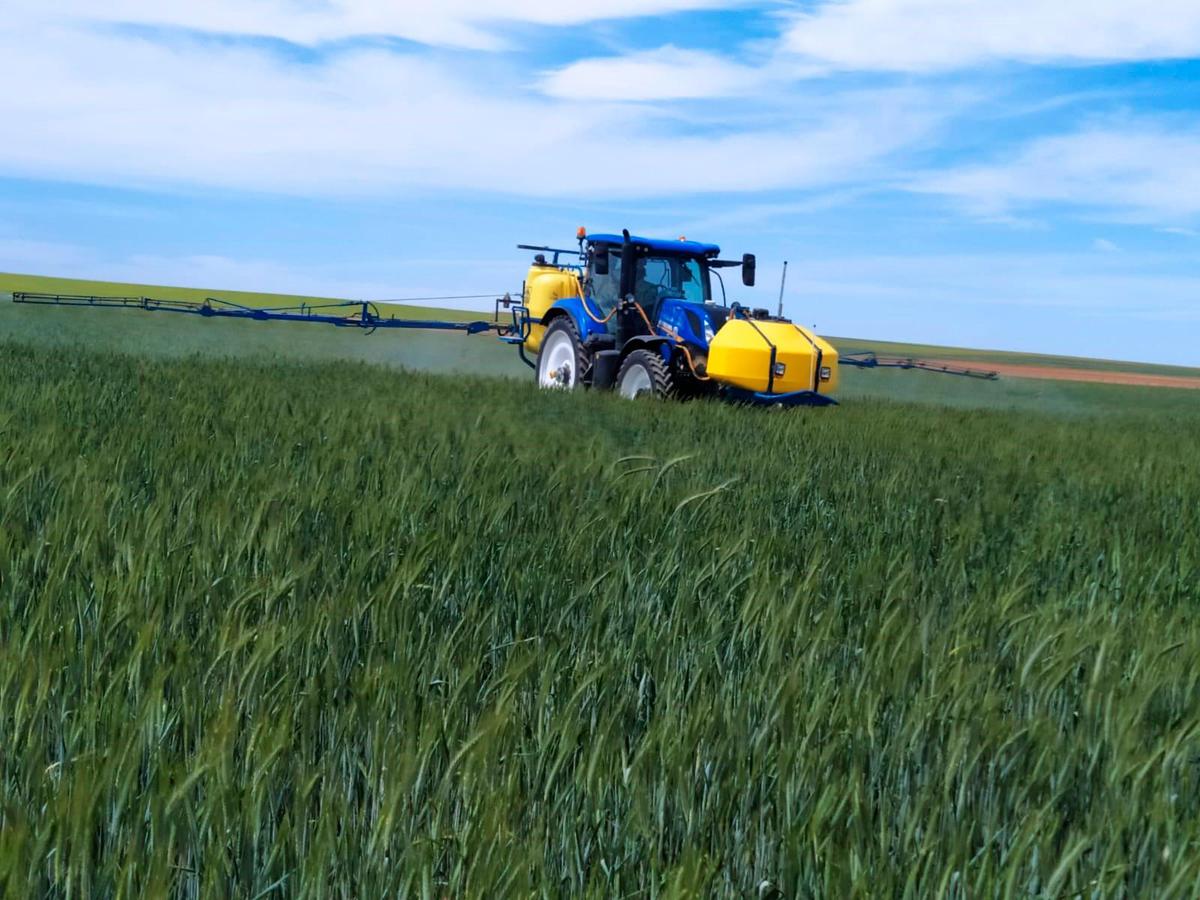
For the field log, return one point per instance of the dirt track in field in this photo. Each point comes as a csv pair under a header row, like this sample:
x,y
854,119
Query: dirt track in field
x,y
1053,373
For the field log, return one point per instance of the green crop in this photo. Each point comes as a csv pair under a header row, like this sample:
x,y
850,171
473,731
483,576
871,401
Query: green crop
x,y
338,631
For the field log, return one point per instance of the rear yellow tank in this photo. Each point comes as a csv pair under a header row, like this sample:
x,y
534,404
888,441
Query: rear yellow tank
x,y
740,355
544,286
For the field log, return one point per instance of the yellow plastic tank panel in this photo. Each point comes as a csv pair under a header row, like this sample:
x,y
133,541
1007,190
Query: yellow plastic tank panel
x,y
740,355
545,286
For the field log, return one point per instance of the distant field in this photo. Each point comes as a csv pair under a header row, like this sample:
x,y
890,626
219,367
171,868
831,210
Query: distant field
x,y
164,335
932,351
168,335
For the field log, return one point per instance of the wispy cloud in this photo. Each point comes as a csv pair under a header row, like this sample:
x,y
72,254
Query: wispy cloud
x,y
667,73
902,36
1131,171
366,120
458,23
930,35
1113,305
371,279
26,256
1078,281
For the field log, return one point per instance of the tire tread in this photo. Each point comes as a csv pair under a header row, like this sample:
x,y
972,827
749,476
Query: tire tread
x,y
660,375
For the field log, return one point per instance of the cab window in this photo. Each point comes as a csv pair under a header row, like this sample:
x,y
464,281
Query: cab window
x,y
658,277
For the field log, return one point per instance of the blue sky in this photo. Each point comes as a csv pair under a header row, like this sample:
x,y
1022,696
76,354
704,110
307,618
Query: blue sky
x,y
1021,175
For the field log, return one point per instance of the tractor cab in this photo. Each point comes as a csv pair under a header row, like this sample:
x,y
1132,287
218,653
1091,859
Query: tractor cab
x,y
680,270
676,270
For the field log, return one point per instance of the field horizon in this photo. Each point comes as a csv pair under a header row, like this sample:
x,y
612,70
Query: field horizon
x,y
11,282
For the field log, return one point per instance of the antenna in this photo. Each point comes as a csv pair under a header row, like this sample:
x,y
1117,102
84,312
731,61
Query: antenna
x,y
782,284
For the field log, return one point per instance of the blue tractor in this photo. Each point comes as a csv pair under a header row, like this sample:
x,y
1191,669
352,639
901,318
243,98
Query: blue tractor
x,y
652,317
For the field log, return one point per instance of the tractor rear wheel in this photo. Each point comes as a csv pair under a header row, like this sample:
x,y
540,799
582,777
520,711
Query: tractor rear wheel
x,y
644,374
561,359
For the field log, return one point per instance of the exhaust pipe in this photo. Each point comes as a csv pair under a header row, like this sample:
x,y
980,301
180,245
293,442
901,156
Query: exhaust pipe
x,y
628,266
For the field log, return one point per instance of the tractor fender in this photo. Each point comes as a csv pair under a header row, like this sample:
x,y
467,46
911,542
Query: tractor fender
x,y
648,342
554,312
573,307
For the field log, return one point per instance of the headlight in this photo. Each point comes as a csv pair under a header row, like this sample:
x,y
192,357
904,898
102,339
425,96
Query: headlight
x,y
780,369
826,373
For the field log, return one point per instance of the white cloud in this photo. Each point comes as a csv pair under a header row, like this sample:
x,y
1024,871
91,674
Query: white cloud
x,y
902,36
26,256
394,277
1117,306
1115,283
1133,171
461,23
924,35
110,108
667,73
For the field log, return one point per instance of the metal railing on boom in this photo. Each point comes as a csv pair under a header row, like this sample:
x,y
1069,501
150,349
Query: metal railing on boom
x,y
362,314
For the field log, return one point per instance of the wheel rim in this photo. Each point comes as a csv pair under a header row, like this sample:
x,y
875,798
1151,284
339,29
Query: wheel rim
x,y
636,382
556,368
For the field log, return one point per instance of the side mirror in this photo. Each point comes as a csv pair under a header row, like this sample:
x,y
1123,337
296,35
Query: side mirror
x,y
748,266
599,259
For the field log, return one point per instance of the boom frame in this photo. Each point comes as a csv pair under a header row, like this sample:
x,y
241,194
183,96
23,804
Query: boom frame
x,y
867,359
361,314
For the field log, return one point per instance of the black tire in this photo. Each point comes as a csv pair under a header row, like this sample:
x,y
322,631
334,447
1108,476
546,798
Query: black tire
x,y
644,374
562,329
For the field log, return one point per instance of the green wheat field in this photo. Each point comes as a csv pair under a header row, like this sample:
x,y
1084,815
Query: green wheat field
x,y
305,628
312,631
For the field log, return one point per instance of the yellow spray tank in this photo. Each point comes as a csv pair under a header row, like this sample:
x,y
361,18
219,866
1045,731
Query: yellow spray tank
x,y
772,356
545,285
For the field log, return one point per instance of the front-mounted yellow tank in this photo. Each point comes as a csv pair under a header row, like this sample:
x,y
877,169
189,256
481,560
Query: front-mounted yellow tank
x,y
544,286
740,356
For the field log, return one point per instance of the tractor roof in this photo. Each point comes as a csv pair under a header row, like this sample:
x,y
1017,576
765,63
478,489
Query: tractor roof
x,y
691,248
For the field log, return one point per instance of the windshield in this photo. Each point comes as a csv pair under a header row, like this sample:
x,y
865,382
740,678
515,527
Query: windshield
x,y
658,277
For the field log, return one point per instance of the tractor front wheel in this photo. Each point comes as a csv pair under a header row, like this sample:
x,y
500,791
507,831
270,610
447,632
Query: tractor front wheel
x,y
644,374
561,358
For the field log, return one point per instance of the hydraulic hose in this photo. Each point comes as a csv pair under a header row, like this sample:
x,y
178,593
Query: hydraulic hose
x,y
584,303
645,318
687,354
